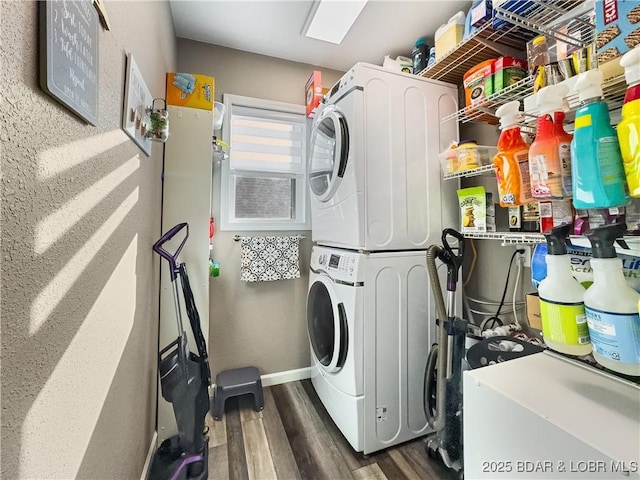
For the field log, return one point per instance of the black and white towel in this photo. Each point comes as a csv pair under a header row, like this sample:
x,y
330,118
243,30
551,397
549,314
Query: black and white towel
x,y
264,259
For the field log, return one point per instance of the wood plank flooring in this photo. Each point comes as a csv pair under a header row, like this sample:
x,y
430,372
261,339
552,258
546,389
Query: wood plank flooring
x,y
295,438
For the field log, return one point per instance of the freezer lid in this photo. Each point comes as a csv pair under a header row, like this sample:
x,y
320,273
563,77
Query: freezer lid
x,y
585,402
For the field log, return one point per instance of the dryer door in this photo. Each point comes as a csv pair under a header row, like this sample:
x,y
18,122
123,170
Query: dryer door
x,y
328,153
327,325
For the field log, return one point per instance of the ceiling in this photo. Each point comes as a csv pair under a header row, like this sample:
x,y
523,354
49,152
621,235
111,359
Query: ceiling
x,y
275,28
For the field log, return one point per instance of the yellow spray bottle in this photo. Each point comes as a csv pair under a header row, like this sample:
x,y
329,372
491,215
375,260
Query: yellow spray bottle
x,y
629,127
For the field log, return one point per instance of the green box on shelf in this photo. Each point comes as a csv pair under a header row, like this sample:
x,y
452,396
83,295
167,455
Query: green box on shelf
x,y
507,71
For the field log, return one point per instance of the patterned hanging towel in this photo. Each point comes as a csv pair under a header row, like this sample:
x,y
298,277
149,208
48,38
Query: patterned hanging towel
x,y
264,259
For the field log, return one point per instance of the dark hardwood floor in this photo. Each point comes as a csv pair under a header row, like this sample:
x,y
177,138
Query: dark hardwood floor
x,y
295,438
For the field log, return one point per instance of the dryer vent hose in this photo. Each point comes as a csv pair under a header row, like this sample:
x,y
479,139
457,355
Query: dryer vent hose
x,y
437,422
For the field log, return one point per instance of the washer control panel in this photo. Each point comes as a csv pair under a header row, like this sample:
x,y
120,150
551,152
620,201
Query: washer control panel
x,y
338,264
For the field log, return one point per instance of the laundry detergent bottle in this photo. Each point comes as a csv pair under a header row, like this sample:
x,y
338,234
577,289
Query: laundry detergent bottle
x,y
511,163
611,305
629,128
545,165
564,150
564,322
596,162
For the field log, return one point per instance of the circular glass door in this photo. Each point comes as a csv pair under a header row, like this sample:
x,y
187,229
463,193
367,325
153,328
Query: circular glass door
x,y
329,153
327,326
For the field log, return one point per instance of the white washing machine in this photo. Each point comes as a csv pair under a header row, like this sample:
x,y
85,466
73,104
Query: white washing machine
x,y
374,173
371,322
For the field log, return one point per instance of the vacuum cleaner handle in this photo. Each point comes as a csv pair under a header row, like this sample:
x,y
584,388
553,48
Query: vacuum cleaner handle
x,y
172,258
451,259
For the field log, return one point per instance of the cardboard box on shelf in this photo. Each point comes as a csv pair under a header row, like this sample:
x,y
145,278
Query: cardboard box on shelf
x,y
513,6
533,311
481,12
507,71
617,28
190,90
477,211
313,92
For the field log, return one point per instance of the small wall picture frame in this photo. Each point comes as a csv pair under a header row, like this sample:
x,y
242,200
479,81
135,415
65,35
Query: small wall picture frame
x,y
137,98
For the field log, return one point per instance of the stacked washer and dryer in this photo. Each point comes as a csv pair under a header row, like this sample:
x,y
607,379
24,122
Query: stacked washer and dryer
x,y
377,203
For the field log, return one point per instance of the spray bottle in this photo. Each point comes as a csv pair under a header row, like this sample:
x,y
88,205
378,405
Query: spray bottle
x,y
545,165
629,127
564,323
611,305
596,163
564,149
512,160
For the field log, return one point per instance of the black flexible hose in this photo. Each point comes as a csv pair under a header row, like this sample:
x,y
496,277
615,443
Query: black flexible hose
x,y
430,398
437,423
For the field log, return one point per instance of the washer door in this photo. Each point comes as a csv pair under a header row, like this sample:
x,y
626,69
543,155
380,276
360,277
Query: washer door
x,y
328,153
327,325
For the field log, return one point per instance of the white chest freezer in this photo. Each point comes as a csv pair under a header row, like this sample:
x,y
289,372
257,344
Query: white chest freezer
x,y
546,416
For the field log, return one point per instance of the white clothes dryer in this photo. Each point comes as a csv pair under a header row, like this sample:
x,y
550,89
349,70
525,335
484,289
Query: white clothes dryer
x,y
371,322
374,173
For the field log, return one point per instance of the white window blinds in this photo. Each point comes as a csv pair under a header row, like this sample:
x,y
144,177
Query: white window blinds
x,y
264,183
270,142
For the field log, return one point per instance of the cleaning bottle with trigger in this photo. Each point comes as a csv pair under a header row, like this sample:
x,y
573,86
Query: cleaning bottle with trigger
x,y
511,163
564,147
629,128
596,163
564,323
545,165
611,305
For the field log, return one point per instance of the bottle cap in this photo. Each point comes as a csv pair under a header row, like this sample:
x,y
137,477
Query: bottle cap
x,y
420,41
550,99
589,85
602,239
631,63
557,239
509,114
539,39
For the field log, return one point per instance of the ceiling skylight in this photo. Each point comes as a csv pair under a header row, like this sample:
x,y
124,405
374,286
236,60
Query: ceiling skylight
x,y
332,19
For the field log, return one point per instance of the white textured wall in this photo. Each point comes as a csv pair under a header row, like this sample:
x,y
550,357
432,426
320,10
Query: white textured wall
x,y
260,324
80,211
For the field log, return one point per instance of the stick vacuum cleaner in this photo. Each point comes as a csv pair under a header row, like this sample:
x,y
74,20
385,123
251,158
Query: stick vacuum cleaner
x,y
443,375
184,380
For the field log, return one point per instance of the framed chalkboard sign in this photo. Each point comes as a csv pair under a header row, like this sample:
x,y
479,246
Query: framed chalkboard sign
x,y
69,55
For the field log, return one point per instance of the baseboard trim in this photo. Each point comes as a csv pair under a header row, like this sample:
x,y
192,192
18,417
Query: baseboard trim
x,y
284,377
147,462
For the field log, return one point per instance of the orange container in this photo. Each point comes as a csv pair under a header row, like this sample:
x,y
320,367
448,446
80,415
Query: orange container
x,y
475,81
313,92
190,90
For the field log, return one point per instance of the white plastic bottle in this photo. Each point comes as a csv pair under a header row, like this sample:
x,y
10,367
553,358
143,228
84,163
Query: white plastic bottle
x,y
562,311
611,306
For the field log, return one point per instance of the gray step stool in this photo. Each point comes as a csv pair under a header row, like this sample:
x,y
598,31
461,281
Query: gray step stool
x,y
238,381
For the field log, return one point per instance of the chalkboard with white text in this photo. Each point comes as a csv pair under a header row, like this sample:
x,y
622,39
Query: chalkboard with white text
x,y
69,55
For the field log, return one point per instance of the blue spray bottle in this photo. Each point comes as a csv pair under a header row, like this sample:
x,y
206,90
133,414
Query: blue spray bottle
x,y
611,305
596,162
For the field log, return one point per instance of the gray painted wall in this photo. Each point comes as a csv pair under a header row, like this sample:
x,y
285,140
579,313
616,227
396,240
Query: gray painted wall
x,y
260,324
264,324
80,211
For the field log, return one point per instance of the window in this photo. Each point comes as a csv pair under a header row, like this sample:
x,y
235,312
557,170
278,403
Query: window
x,y
264,181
